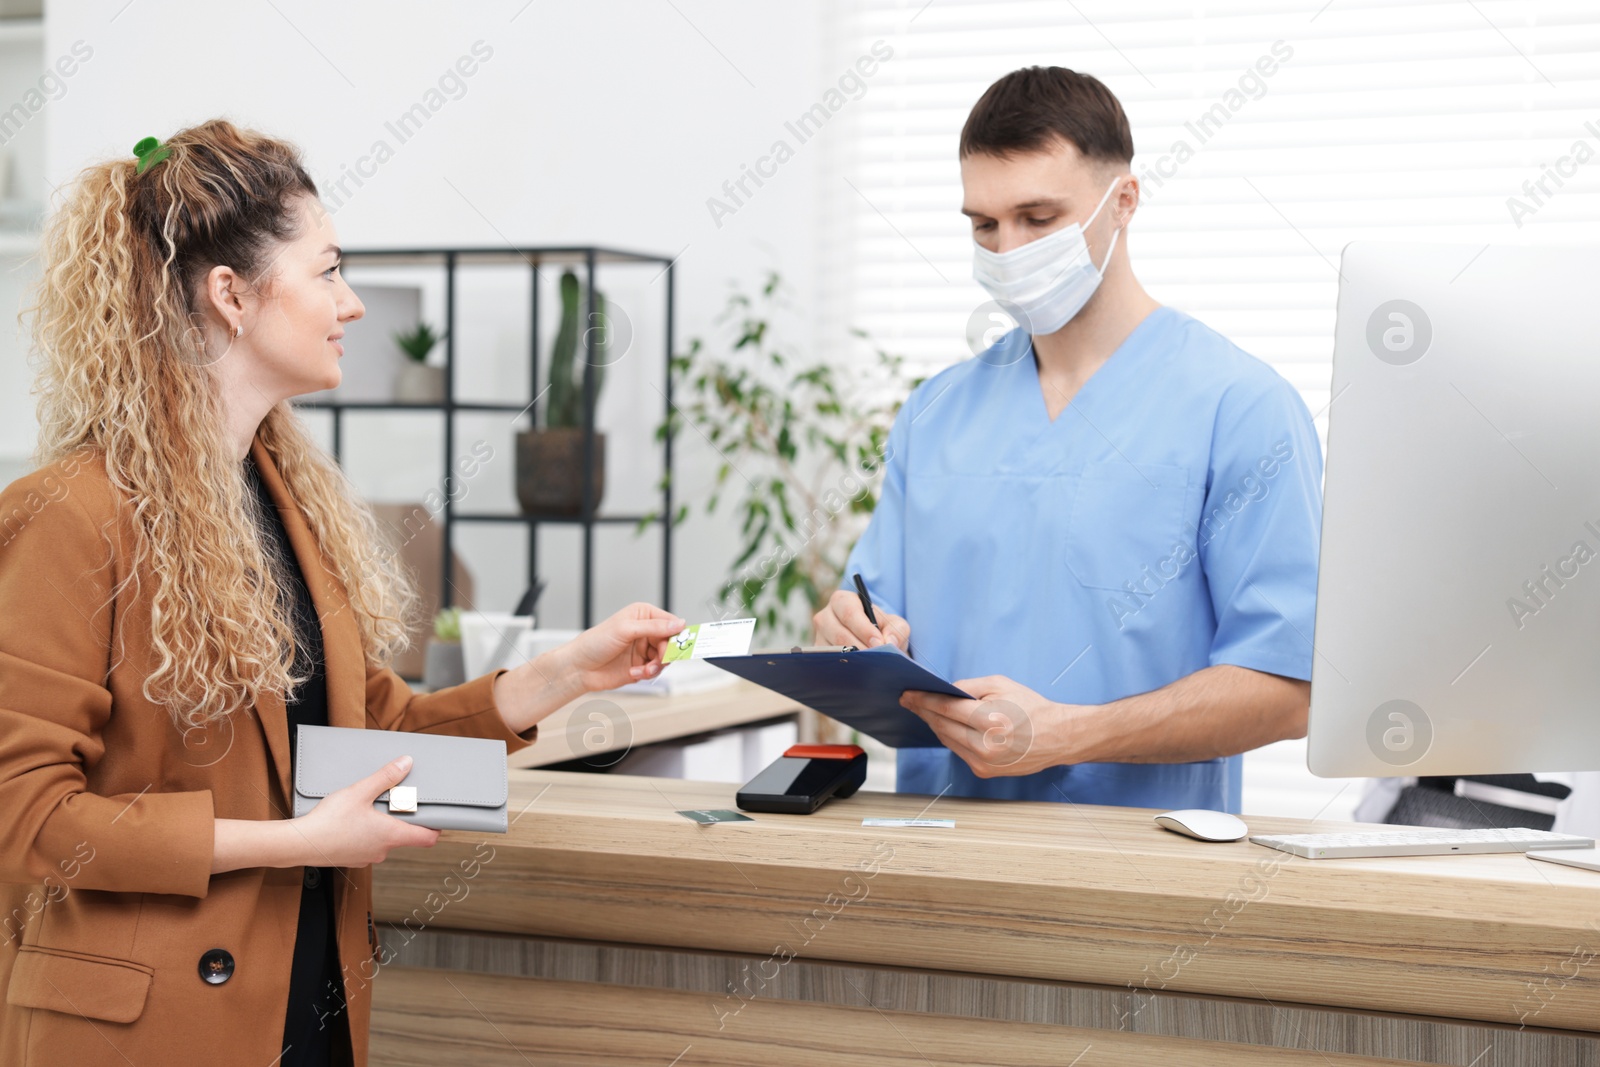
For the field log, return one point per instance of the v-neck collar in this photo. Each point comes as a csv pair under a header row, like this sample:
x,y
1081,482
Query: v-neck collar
x,y
1115,367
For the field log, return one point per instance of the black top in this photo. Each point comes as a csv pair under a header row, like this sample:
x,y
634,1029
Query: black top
x,y
316,1027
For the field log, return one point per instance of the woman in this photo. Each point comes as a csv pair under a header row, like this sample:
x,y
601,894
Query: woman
x,y
184,578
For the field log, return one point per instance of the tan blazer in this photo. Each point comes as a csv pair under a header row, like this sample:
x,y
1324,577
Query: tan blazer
x,y
107,903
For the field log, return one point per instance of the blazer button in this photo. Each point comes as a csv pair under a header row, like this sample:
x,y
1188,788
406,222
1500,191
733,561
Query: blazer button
x,y
313,878
216,966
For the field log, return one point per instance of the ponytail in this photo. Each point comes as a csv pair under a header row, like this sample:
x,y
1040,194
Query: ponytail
x,y
123,368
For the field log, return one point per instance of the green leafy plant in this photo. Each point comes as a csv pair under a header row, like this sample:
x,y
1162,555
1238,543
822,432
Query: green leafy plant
x,y
417,343
447,625
802,446
564,404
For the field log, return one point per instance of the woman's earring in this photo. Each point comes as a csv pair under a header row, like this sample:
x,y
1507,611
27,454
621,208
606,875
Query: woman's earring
x,y
203,355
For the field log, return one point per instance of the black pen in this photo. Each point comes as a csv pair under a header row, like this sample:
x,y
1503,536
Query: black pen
x,y
866,605
866,601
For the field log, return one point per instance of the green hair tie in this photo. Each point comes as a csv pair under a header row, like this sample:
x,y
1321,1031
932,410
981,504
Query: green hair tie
x,y
150,152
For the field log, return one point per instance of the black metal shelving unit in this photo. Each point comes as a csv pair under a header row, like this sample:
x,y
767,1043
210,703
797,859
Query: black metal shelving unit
x,y
588,258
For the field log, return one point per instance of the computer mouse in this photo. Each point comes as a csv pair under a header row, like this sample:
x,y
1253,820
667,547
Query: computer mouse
x,y
1203,824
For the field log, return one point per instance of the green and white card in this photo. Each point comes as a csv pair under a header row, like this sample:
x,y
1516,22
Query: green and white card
x,y
728,638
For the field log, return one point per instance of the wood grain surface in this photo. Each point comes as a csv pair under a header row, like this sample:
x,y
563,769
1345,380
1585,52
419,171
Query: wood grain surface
x,y
424,1018
1055,892
724,981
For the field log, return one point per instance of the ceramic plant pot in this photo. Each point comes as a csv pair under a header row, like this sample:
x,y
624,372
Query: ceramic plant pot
x,y
445,665
550,471
419,383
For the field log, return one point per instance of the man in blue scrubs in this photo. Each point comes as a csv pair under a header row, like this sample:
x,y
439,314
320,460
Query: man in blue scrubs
x,y
1105,526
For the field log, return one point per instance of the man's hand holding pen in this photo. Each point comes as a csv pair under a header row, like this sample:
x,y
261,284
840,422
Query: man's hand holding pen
x,y
844,621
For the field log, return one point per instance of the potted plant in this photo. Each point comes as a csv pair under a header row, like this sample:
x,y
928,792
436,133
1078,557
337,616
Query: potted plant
x,y
808,441
550,458
445,665
419,382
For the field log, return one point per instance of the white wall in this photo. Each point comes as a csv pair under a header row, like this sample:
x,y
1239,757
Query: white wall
x,y
605,122
22,141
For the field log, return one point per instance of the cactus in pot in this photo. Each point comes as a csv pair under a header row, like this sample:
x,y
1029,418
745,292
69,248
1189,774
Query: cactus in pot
x,y
550,458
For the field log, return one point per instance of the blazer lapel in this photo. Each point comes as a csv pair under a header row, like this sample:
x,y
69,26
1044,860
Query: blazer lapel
x,y
341,637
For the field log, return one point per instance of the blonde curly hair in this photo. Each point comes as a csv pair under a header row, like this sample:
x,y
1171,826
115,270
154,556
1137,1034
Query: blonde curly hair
x,y
114,336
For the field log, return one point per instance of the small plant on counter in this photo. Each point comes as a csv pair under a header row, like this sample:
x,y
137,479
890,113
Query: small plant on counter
x,y
447,626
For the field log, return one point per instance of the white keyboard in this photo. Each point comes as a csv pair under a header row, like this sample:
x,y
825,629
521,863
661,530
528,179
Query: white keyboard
x,y
1417,842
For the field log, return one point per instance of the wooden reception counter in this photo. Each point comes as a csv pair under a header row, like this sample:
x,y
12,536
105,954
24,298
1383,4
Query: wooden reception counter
x,y
607,929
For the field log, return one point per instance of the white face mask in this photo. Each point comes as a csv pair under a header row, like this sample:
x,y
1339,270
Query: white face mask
x,y
1046,281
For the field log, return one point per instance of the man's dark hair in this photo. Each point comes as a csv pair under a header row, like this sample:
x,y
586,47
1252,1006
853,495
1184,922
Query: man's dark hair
x,y
1029,108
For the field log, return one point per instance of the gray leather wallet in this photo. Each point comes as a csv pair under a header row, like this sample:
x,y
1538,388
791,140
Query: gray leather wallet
x,y
455,783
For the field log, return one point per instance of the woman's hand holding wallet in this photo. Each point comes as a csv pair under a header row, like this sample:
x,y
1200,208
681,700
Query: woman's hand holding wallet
x,y
344,830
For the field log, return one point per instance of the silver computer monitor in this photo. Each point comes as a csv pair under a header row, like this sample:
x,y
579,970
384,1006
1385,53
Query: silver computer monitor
x,y
1458,594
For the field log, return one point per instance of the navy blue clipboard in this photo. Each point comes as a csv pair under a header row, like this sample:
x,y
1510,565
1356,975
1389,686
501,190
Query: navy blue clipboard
x,y
860,688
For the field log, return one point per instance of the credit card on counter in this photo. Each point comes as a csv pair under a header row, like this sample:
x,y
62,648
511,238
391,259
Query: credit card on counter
x,y
707,817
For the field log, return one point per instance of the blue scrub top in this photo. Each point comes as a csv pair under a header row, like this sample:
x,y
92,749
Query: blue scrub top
x,y
1165,521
